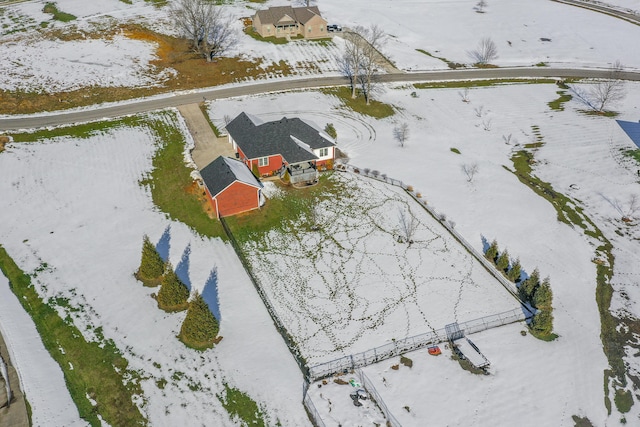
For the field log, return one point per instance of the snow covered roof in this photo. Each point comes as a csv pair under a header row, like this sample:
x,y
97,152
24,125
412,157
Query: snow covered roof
x,y
632,129
224,171
283,137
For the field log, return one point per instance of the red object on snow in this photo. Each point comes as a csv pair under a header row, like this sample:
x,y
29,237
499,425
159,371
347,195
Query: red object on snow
x,y
435,350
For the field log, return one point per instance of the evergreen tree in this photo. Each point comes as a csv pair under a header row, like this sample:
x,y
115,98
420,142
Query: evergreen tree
x,y
528,287
255,170
542,323
515,270
200,327
151,265
173,294
543,296
331,130
503,261
492,251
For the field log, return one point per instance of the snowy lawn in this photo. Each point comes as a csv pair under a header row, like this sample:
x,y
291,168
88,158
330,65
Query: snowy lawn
x,y
85,216
586,151
354,283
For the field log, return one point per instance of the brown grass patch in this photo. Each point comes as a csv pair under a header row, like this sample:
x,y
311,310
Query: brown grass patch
x,y
192,71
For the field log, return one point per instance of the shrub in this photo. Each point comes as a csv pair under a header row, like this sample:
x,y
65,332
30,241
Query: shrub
x,y
543,295
329,164
502,263
514,271
409,187
542,323
173,294
406,361
200,328
375,173
366,171
255,170
528,287
151,265
492,251
331,131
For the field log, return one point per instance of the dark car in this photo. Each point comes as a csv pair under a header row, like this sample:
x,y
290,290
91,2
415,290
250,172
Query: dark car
x,y
334,28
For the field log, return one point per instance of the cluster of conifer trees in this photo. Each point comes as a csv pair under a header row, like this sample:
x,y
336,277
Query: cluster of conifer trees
x,y
200,328
531,290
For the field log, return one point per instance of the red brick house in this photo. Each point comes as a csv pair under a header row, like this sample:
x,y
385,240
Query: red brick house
x,y
285,145
231,188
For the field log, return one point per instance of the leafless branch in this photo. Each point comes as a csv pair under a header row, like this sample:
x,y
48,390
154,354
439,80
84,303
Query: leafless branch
x,y
470,171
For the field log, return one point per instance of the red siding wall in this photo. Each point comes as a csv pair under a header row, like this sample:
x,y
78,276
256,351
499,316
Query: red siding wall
x,y
211,202
236,198
275,163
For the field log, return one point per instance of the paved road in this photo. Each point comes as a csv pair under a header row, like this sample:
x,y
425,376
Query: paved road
x,y
100,112
627,16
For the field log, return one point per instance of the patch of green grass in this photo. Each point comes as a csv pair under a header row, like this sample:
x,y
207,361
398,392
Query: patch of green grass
x,y
599,113
170,181
57,14
157,3
557,104
376,109
450,64
581,421
623,400
480,83
240,406
634,154
279,212
541,64
543,337
90,369
203,108
455,150
273,40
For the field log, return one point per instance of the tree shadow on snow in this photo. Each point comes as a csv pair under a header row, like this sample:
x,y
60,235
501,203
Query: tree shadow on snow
x,y
210,293
182,269
164,244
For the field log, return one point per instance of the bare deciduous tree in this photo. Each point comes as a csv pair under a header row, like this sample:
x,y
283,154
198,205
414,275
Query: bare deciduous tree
x,y
207,27
486,52
408,225
362,58
470,171
486,124
629,209
603,93
401,133
479,111
480,6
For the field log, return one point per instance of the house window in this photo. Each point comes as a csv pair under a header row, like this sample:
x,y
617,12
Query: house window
x,y
263,161
324,152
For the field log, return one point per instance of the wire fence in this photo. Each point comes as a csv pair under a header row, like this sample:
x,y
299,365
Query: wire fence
x,y
448,225
351,362
375,396
291,344
312,412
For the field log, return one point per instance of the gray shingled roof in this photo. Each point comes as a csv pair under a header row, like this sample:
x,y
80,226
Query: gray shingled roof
x,y
277,137
224,171
273,15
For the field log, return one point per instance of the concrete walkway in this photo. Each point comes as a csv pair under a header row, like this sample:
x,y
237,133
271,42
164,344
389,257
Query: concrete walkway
x,y
208,145
15,415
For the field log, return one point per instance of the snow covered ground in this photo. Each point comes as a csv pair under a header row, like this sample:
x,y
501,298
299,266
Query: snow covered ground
x,y
85,217
526,33
351,285
579,149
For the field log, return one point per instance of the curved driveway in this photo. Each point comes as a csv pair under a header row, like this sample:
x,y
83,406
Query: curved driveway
x,y
100,112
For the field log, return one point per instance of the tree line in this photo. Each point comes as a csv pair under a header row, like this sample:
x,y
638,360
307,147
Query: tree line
x,y
533,292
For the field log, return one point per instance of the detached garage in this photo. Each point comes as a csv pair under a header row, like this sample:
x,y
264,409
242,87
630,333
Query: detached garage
x,y
231,187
